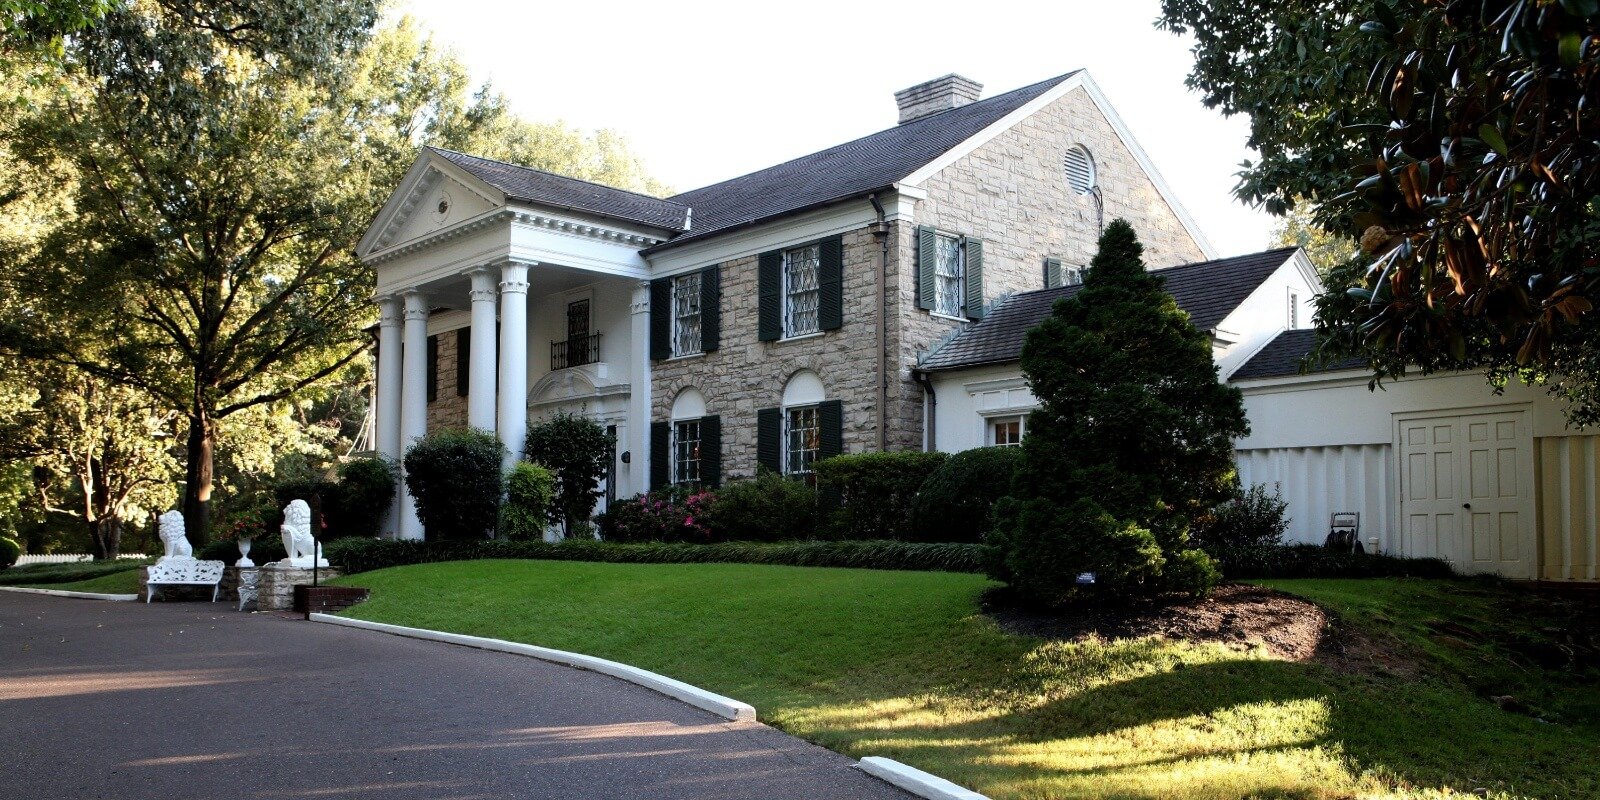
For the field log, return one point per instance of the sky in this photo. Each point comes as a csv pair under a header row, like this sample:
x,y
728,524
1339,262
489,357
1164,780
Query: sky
x,y
709,91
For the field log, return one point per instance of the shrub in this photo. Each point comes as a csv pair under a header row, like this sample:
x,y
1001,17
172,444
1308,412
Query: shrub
x,y
366,490
673,514
317,492
954,503
67,573
530,489
264,549
766,508
1252,518
1314,561
362,555
1041,549
875,491
455,477
10,551
578,451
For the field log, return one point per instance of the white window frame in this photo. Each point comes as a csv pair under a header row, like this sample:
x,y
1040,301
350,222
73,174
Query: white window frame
x,y
678,464
959,280
791,295
991,428
815,410
681,295
1072,274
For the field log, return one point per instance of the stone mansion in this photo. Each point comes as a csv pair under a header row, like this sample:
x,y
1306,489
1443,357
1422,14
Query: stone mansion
x,y
772,319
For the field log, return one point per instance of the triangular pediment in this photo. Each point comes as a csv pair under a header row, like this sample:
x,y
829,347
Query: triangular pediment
x,y
435,195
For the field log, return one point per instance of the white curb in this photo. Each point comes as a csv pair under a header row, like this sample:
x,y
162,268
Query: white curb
x,y
916,781
725,707
65,593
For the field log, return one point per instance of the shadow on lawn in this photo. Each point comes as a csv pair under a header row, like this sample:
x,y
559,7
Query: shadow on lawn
x,y
1253,727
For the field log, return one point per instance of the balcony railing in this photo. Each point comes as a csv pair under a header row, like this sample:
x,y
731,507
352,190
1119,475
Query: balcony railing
x,y
575,352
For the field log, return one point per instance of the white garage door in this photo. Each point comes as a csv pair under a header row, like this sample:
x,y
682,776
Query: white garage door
x,y
1466,489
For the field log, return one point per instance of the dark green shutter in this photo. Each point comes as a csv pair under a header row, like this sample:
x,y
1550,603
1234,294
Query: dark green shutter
x,y
711,450
769,438
974,278
463,360
769,280
830,283
1052,272
433,368
927,253
711,308
830,417
660,318
660,454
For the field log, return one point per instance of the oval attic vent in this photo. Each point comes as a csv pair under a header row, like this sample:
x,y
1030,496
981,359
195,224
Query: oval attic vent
x,y
1080,170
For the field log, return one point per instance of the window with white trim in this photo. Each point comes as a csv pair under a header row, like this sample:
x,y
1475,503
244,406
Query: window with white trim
x,y
686,451
1071,275
801,297
686,339
802,438
1294,310
949,276
1007,431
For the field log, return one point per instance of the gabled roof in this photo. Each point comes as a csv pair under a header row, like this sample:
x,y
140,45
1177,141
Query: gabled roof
x,y
1208,290
1283,356
852,169
529,185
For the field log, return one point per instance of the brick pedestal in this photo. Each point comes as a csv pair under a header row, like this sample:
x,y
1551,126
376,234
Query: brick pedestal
x,y
276,589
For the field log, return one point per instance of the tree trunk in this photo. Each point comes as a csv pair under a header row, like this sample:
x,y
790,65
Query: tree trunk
x,y
197,483
105,537
105,530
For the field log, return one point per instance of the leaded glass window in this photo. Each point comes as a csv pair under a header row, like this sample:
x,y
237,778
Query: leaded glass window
x,y
950,285
802,440
686,314
686,452
800,294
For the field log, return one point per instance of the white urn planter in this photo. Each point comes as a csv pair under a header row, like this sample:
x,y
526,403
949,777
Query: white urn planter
x,y
244,554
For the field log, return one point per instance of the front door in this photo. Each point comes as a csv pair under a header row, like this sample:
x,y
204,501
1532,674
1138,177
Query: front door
x,y
1466,491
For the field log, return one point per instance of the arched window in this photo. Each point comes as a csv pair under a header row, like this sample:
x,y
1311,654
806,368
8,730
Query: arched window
x,y
689,434
1080,170
802,422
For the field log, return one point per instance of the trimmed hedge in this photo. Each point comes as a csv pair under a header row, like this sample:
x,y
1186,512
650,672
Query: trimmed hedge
x,y
10,551
874,492
954,503
366,555
1314,561
263,550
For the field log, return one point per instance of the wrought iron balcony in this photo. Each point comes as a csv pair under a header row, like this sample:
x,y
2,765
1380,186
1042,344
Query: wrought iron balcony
x,y
575,352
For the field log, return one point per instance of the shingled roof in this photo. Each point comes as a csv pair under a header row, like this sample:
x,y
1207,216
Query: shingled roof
x,y
1208,290
1283,356
547,188
852,169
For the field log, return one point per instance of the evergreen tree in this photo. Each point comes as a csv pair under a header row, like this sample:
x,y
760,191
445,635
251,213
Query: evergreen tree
x,y
1133,439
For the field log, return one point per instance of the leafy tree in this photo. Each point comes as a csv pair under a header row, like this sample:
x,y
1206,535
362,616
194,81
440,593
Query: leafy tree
x,y
1327,250
579,452
530,491
1451,139
456,480
1133,439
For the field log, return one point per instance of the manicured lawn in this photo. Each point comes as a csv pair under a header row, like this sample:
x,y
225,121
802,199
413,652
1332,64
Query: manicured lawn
x,y
53,575
902,664
123,582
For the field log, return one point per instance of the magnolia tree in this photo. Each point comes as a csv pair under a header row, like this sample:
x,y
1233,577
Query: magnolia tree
x,y
1133,439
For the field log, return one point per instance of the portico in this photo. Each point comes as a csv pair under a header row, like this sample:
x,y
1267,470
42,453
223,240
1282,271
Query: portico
x,y
547,298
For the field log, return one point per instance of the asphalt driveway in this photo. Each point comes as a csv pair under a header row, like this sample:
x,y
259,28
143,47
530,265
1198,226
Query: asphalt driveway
x,y
194,700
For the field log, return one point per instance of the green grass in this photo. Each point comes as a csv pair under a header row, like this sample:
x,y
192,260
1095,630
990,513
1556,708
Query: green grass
x,y
901,664
41,574
124,582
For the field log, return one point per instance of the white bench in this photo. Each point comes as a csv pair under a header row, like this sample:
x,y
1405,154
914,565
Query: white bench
x,y
183,572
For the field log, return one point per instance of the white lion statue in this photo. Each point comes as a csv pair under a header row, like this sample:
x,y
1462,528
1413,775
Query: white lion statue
x,y
303,550
170,527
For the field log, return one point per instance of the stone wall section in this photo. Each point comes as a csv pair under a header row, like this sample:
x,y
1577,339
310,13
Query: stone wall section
x,y
448,410
746,374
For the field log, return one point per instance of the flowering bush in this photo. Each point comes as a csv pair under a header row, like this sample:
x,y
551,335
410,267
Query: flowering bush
x,y
674,514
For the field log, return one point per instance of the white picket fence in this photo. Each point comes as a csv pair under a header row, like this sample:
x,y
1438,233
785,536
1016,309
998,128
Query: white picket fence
x,y
62,558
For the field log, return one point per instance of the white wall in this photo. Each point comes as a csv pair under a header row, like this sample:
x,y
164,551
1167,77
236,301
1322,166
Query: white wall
x,y
967,397
1265,313
1567,471
1317,482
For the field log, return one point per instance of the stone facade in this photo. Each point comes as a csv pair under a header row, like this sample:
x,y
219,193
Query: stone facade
x,y
276,589
448,409
1010,192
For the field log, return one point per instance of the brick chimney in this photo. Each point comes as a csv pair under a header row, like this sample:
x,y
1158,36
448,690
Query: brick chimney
x,y
939,94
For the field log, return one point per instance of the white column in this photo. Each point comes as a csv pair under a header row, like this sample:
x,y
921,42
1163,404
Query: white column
x,y
481,372
638,435
513,359
414,398
386,426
